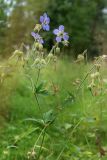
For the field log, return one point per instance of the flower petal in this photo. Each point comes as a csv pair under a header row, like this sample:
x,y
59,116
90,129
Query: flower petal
x,y
44,27
61,28
48,20
47,27
58,39
65,37
45,15
41,41
41,19
56,31
33,34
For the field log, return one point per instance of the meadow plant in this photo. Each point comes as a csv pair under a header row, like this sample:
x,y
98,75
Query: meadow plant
x,y
34,60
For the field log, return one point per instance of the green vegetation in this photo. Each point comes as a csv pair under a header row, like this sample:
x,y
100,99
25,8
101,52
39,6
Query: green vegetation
x,y
52,96
79,129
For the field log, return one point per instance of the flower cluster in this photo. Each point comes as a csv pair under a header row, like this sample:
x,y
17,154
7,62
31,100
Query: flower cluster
x,y
35,57
61,35
44,20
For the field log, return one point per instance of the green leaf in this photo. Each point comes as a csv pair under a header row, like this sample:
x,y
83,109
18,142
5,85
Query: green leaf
x,y
40,89
44,92
67,126
70,98
49,116
37,121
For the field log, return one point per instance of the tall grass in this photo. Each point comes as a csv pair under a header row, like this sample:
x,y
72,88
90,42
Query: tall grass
x,y
79,129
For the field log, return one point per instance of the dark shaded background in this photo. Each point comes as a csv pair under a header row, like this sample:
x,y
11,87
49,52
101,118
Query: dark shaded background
x,y
84,20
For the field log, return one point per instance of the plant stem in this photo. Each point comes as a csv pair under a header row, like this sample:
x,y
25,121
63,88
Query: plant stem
x,y
85,78
60,153
38,75
43,138
39,137
36,97
98,61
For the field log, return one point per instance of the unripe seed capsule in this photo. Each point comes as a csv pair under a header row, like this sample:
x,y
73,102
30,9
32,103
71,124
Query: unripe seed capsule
x,y
37,45
40,46
57,50
50,55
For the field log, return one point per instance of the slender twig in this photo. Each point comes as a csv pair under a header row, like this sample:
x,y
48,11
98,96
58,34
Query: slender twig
x,y
76,126
36,97
87,142
38,75
43,138
93,67
39,137
32,83
69,137
85,78
60,153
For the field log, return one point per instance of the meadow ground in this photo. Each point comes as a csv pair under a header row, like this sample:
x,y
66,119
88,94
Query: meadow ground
x,y
79,127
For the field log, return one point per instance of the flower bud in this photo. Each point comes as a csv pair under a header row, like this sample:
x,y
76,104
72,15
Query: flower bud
x,y
80,57
37,27
95,75
57,50
40,47
36,45
98,66
18,53
66,43
43,62
54,58
37,60
91,85
6,152
31,154
50,56
39,63
2,75
104,57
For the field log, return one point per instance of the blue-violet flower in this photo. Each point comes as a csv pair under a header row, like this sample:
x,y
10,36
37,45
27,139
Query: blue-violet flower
x,y
61,35
45,20
37,37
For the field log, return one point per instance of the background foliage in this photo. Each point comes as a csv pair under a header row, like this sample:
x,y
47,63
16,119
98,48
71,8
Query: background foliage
x,y
3,25
84,20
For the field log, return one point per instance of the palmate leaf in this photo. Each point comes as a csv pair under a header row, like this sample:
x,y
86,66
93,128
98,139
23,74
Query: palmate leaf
x,y
40,89
67,126
49,116
70,98
39,122
44,92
